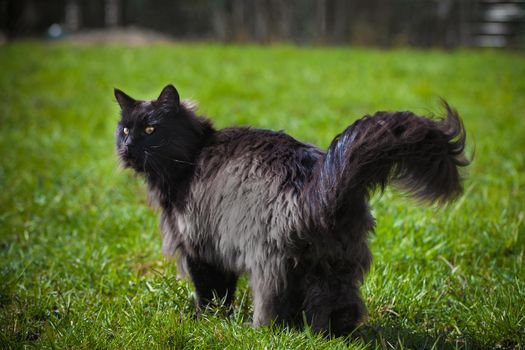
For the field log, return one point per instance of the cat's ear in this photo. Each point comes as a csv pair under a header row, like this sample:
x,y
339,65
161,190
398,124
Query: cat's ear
x,y
125,101
169,97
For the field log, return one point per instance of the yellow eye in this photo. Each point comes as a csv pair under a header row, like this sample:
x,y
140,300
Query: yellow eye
x,y
126,131
149,130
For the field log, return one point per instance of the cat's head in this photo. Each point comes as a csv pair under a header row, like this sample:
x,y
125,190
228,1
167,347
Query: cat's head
x,y
158,135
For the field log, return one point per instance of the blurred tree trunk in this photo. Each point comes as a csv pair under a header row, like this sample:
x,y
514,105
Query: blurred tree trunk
x,y
321,12
465,21
238,22
72,15
14,18
383,13
262,19
341,18
283,11
112,13
219,19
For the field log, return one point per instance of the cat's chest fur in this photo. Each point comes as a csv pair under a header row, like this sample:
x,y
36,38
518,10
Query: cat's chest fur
x,y
239,205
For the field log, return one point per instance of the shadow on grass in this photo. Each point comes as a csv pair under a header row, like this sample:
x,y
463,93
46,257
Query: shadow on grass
x,y
392,335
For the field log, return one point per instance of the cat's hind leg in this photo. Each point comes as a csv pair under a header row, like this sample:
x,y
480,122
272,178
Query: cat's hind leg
x,y
329,302
211,282
348,314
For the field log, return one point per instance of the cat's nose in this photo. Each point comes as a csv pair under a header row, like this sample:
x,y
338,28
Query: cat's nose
x,y
128,142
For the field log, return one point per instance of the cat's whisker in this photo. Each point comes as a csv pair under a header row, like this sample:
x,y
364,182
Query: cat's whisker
x,y
169,158
181,161
153,165
163,142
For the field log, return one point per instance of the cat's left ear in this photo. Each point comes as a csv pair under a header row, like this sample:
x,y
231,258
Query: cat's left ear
x,y
169,97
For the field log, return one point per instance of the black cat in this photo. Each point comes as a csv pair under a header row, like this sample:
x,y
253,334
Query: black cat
x,y
295,218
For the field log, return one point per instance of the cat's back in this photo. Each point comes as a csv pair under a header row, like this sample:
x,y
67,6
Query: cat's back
x,y
258,153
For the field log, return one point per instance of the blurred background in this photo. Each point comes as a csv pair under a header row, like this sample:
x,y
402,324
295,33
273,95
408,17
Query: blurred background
x,y
381,23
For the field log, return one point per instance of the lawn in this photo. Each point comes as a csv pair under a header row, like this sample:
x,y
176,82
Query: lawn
x,y
80,257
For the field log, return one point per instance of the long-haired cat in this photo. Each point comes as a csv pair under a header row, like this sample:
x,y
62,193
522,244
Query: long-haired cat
x,y
294,217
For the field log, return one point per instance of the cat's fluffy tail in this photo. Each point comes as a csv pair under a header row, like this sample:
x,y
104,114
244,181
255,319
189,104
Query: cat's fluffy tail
x,y
418,155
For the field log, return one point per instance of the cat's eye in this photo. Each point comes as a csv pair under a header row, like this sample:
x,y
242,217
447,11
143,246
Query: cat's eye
x,y
149,130
125,131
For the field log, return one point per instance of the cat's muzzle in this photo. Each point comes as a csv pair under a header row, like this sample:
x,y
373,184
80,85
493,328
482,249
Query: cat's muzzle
x,y
131,159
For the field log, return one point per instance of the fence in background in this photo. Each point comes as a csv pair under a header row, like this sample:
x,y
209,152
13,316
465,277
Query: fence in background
x,y
384,23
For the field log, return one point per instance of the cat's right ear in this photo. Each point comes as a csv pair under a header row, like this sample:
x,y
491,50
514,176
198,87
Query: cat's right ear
x,y
124,101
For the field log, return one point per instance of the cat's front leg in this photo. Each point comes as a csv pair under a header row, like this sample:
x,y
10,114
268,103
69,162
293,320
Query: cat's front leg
x,y
275,301
264,306
211,281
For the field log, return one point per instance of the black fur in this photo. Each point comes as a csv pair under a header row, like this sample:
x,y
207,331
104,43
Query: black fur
x,y
211,282
293,217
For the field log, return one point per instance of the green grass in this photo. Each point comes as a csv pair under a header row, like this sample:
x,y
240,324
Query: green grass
x,y
80,257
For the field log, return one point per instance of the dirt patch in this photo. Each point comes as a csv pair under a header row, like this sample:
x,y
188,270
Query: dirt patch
x,y
128,36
